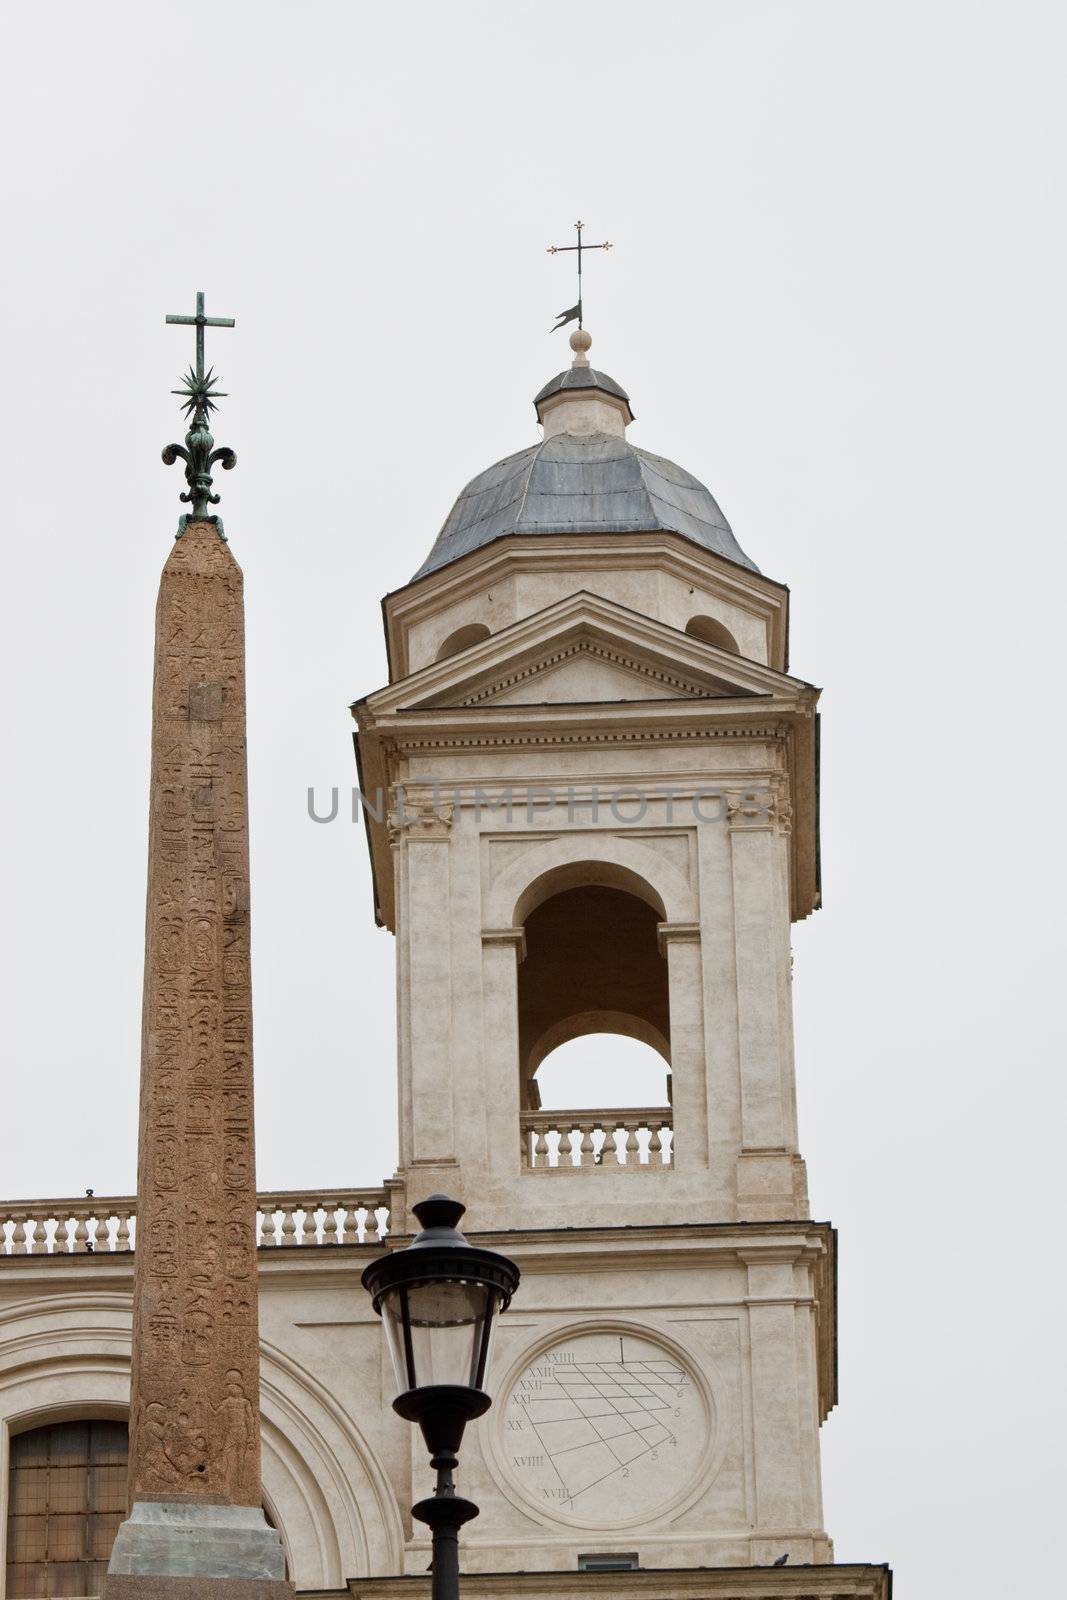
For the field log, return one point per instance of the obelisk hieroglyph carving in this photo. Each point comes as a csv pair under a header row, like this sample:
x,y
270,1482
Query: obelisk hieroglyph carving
x,y
194,1481
194,1405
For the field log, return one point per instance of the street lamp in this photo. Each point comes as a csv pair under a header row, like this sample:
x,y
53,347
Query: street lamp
x,y
438,1301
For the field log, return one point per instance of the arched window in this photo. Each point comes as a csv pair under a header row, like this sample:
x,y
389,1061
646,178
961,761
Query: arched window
x,y
67,1498
462,639
712,632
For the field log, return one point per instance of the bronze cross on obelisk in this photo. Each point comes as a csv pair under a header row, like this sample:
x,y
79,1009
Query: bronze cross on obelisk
x,y
575,312
200,321
199,394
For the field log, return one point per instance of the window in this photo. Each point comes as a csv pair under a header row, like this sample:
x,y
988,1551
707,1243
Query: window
x,y
462,639
712,632
68,1496
608,1563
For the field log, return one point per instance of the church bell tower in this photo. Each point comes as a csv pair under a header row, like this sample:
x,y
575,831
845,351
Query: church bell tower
x,y
591,789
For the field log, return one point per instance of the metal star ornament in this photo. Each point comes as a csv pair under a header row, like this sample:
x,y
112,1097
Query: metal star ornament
x,y
199,391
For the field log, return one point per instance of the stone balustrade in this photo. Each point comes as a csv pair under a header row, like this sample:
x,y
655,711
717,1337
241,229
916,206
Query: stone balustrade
x,y
108,1225
638,1139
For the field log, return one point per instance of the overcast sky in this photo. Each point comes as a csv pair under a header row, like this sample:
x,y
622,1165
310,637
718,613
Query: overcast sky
x,y
836,296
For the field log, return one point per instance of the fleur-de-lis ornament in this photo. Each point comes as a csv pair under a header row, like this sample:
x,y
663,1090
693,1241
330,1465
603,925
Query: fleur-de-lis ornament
x,y
198,393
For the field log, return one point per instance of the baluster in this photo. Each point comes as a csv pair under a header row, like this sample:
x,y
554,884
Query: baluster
x,y
81,1233
631,1147
331,1227
270,1228
288,1226
3,1234
655,1144
122,1236
300,1227
28,1246
619,1152
540,1148
374,1226
586,1154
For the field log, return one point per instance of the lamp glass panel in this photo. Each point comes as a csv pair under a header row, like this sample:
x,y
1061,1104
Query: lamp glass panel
x,y
437,1332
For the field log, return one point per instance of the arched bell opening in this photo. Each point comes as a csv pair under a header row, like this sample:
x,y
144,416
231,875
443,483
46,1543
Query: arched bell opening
x,y
593,1017
712,632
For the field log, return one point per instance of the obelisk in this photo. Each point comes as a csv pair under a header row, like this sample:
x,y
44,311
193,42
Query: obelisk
x,y
196,1521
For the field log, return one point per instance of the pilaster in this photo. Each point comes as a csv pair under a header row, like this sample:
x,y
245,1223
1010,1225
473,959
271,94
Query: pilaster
x,y
765,1167
422,831
679,942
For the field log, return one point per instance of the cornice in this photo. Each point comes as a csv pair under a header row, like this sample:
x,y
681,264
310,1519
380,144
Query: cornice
x,y
825,1581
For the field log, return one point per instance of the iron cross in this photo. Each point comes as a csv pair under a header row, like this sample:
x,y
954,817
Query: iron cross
x,y
200,322
560,249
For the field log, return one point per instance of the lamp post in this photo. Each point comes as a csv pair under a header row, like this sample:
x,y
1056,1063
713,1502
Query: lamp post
x,y
438,1301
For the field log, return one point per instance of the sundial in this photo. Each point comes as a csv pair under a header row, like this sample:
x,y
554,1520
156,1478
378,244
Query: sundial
x,y
604,1429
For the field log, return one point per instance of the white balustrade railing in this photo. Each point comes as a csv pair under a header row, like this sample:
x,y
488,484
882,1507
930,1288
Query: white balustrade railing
x,y
639,1139
108,1226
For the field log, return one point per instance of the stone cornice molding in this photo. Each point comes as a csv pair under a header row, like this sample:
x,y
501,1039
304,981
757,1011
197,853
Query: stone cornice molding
x,y
826,1581
668,933
525,737
506,938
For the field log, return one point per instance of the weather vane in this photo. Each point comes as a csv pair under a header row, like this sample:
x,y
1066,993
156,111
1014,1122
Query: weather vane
x,y
199,394
575,312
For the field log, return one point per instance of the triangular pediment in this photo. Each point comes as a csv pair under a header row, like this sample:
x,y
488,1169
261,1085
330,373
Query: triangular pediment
x,y
583,650
586,667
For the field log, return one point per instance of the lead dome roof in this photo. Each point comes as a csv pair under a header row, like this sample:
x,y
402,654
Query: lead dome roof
x,y
582,483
